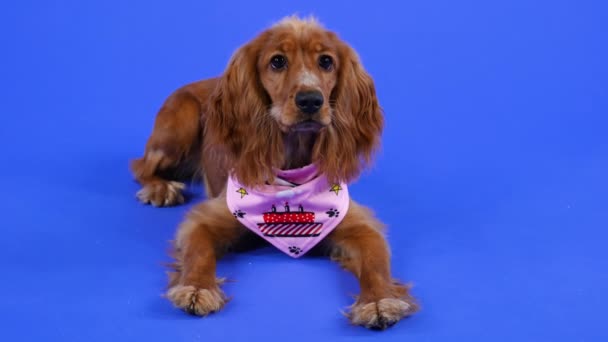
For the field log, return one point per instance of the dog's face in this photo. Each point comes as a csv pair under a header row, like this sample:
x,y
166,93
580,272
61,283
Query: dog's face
x,y
298,68
295,86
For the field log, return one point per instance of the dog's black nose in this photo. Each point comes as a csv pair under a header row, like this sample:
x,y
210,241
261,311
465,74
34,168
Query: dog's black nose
x,y
309,102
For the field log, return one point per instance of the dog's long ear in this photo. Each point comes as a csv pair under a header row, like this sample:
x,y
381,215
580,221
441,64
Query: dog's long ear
x,y
354,136
237,118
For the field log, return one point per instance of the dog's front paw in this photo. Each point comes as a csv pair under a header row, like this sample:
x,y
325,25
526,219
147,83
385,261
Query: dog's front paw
x,y
381,314
161,193
195,301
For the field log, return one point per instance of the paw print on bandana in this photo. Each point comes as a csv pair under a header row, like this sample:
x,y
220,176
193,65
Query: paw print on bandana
x,y
239,214
333,213
295,250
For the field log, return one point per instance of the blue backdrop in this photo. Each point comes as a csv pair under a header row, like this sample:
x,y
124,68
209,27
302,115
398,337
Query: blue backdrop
x,y
493,177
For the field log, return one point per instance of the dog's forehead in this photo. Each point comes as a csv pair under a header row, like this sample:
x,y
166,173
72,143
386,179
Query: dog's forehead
x,y
301,36
314,43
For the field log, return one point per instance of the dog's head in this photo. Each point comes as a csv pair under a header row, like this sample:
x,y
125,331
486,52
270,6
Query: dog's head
x,y
295,79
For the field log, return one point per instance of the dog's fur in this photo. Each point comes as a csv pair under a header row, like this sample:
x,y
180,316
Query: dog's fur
x,y
247,121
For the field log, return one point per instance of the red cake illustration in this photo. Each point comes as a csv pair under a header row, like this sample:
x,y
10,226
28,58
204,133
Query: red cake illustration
x,y
290,224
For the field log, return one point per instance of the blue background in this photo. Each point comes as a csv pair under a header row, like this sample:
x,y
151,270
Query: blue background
x,y
493,177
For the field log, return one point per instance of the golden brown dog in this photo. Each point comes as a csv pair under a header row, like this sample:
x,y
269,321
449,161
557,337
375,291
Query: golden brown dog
x,y
294,95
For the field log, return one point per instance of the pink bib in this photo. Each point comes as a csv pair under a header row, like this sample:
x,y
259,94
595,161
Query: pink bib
x,y
294,213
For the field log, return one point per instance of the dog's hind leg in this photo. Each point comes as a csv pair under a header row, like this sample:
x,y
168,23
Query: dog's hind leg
x,y
172,153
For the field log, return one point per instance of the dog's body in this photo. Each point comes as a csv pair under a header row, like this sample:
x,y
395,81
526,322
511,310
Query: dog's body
x,y
293,96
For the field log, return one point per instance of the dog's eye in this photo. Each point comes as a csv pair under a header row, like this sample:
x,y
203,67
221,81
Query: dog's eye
x,y
326,62
278,62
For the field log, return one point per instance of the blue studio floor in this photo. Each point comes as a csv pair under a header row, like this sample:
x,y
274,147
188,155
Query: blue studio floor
x,y
493,178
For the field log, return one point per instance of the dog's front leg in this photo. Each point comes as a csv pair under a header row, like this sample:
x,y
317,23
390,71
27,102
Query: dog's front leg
x,y
207,232
358,244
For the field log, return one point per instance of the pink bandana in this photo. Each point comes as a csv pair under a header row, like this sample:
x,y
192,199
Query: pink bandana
x,y
294,213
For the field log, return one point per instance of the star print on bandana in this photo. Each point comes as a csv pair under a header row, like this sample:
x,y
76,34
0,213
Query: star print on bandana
x,y
336,188
243,192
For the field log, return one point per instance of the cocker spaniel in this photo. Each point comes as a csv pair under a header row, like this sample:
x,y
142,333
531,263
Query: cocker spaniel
x,y
292,120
